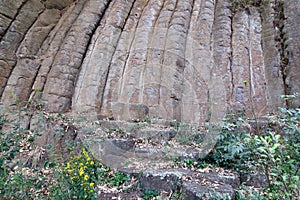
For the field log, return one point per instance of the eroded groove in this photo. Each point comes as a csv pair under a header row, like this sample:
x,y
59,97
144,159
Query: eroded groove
x,y
94,68
28,64
54,43
132,22
26,16
64,71
93,32
279,24
164,55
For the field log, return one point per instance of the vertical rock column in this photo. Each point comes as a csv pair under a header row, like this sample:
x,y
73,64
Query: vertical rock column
x,y
195,101
139,28
19,16
23,76
220,80
241,61
257,83
60,84
291,41
155,56
273,74
53,44
91,82
174,62
248,67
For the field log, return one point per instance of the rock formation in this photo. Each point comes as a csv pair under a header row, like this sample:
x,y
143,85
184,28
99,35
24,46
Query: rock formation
x,y
189,60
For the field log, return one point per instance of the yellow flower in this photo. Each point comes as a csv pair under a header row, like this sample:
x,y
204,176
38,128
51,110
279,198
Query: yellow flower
x,y
84,189
86,177
81,172
86,154
70,171
80,165
91,190
92,162
92,184
68,165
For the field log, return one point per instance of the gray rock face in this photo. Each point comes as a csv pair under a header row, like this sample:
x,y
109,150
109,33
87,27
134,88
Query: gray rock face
x,y
185,60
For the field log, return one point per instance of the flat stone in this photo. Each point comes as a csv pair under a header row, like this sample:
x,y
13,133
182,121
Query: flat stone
x,y
156,135
196,191
162,180
122,125
256,180
124,144
231,179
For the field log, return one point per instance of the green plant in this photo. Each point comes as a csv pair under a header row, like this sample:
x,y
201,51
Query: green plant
x,y
244,193
188,163
17,181
275,152
150,194
23,176
230,150
77,178
23,184
118,179
279,159
176,195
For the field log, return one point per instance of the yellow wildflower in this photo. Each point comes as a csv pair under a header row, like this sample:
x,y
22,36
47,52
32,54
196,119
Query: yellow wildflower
x,y
86,154
92,184
81,172
80,164
91,190
92,162
68,165
70,171
86,177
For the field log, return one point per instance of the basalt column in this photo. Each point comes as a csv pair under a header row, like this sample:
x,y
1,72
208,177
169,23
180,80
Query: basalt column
x,y
188,60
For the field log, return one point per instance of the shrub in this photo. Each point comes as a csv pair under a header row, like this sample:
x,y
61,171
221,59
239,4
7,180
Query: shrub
x,y
77,179
275,152
230,150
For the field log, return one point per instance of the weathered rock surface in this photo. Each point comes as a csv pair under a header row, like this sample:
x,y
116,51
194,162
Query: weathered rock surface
x,y
184,60
206,184
141,145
